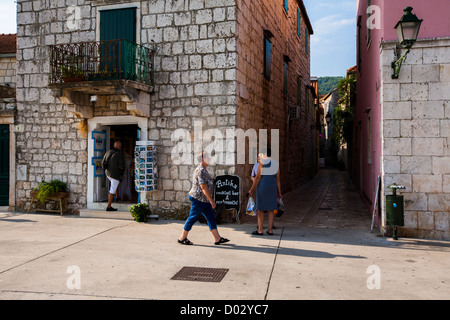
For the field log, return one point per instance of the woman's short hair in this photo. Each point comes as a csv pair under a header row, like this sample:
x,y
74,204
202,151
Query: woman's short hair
x,y
199,157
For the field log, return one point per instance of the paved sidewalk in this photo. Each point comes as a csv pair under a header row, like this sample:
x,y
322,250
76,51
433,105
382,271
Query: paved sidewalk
x,y
316,253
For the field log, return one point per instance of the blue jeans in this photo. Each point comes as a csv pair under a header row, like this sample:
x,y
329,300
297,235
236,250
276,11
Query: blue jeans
x,y
198,208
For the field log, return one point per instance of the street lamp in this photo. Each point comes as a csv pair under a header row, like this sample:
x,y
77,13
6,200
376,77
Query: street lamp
x,y
407,31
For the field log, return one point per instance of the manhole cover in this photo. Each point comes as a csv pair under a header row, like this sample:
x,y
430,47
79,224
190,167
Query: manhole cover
x,y
200,274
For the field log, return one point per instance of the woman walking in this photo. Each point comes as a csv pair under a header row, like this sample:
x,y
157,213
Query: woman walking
x,y
202,202
267,187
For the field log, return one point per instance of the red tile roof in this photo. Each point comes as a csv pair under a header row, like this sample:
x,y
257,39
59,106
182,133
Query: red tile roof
x,y
8,43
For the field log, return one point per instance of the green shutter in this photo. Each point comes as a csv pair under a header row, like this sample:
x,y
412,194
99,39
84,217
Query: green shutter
x,y
267,57
4,165
118,24
299,23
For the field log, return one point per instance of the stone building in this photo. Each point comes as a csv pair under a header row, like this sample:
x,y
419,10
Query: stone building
x,y
7,112
214,64
402,125
8,59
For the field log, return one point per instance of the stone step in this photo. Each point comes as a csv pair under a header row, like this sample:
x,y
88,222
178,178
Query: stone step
x,y
102,214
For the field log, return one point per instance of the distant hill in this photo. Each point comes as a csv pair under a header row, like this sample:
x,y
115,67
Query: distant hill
x,y
326,84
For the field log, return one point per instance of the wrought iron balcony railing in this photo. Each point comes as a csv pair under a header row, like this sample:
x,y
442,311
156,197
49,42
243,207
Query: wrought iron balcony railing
x,y
101,60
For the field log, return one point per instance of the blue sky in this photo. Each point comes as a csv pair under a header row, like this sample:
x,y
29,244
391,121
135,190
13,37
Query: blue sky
x,y
333,44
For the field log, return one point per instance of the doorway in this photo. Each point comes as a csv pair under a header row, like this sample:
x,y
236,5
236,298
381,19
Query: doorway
x,y
127,135
105,136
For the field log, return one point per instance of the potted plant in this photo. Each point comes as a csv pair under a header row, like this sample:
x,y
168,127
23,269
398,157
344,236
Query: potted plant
x,y
72,74
140,212
49,189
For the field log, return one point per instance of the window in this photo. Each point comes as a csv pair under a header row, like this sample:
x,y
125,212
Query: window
x,y
369,139
307,97
267,57
306,40
369,30
299,23
285,77
286,5
359,44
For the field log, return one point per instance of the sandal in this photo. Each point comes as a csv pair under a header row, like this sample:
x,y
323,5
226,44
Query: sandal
x,y
269,233
256,233
185,241
222,240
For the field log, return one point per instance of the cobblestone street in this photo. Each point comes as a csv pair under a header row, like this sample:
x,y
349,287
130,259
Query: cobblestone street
x,y
330,200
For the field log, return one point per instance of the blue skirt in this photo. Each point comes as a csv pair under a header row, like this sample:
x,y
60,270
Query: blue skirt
x,y
266,193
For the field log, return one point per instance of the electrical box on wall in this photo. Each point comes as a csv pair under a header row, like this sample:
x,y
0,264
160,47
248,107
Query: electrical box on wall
x,y
146,169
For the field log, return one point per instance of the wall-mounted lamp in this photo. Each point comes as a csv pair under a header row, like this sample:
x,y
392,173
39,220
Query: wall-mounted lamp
x,y
407,31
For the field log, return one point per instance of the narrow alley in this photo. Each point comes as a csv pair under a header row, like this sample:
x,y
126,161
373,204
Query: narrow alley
x,y
330,200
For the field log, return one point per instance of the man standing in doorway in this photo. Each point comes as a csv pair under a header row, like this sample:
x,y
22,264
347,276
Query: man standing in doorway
x,y
114,165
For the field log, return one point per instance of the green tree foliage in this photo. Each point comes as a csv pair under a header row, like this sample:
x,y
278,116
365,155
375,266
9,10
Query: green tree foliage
x,y
343,114
326,84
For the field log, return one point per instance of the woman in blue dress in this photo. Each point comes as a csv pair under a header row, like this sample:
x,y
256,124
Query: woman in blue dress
x,y
267,187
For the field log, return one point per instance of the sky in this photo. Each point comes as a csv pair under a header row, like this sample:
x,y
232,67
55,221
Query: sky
x,y
333,44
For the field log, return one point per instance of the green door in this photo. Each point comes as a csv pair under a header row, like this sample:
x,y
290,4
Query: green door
x,y
4,164
118,24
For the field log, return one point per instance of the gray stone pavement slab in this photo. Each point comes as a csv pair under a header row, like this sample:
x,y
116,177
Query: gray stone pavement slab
x,y
314,254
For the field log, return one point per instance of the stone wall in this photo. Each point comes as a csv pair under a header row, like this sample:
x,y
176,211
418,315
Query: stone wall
x,y
8,70
47,140
197,66
195,80
195,76
416,135
261,102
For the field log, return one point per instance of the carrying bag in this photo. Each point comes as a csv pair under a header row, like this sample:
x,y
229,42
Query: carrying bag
x,y
251,207
280,209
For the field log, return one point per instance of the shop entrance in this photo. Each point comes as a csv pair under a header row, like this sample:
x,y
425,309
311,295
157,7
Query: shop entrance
x,y
127,135
105,136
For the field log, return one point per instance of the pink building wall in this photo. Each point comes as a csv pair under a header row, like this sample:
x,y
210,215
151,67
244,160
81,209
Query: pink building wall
x,y
436,24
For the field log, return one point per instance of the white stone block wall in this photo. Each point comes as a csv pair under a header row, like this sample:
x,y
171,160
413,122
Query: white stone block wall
x,y
195,67
195,63
48,142
416,135
8,70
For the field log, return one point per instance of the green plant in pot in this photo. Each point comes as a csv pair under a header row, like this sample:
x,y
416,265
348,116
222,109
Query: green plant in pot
x,y
140,212
48,189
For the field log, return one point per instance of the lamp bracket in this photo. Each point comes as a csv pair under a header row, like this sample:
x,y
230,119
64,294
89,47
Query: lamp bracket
x,y
397,64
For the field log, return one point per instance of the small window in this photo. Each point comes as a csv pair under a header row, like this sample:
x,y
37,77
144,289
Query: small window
x,y
306,40
299,90
307,97
369,30
267,57
299,23
286,5
285,77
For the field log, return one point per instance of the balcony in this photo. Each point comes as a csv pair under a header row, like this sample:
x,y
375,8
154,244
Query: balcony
x,y
116,67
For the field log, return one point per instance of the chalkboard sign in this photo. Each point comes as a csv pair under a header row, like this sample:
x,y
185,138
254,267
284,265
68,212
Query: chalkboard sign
x,y
227,191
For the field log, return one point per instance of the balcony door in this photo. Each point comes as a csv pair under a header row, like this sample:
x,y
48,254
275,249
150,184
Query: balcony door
x,y
117,24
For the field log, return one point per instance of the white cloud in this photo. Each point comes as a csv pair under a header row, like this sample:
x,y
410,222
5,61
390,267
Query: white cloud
x,y
331,24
